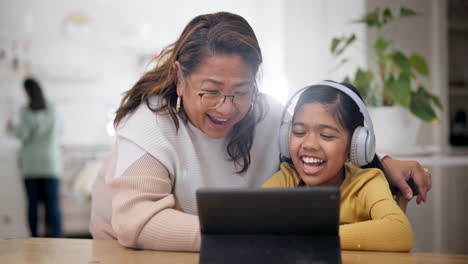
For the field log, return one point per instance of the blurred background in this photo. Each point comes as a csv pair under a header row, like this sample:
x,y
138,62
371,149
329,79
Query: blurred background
x,y
87,53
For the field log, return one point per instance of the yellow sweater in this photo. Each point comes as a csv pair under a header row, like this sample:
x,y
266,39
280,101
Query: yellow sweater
x,y
369,217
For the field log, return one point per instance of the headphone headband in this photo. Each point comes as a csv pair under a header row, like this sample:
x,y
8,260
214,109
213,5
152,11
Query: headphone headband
x,y
356,99
342,88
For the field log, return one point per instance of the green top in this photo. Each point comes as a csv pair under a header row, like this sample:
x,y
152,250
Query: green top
x,y
39,133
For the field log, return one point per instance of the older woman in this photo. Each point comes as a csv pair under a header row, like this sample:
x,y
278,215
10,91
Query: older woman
x,y
195,120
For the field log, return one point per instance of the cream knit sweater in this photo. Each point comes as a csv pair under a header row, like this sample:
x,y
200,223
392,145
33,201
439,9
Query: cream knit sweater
x,y
144,196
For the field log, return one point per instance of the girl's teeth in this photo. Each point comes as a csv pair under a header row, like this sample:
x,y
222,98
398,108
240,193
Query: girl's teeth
x,y
311,160
313,166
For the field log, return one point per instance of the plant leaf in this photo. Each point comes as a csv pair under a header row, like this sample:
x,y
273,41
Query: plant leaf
x,y
400,89
347,41
382,47
371,19
421,105
387,16
350,40
407,12
401,61
347,80
437,102
432,98
418,62
334,44
372,99
362,81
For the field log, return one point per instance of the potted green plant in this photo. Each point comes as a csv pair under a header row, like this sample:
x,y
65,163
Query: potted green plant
x,y
394,80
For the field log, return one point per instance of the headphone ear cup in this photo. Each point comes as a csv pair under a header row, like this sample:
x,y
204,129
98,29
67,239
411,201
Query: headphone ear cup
x,y
284,132
370,146
359,146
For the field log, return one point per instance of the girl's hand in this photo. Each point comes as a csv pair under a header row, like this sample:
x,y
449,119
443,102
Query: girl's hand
x,y
399,172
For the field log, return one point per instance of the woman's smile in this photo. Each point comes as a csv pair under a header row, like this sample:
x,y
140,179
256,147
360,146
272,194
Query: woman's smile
x,y
227,75
220,122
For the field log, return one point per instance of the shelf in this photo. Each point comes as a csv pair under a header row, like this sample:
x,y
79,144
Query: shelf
x,y
438,160
455,156
458,92
458,150
458,25
96,39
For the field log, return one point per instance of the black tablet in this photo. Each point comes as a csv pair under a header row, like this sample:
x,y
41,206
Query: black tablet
x,y
269,225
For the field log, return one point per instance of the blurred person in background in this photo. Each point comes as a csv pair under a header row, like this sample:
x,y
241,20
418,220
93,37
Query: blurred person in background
x,y
39,158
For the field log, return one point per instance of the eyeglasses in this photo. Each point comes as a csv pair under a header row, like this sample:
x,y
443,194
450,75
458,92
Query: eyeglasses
x,y
214,99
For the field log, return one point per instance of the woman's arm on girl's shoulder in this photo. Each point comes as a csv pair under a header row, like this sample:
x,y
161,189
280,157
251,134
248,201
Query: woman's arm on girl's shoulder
x,y
143,214
399,172
388,230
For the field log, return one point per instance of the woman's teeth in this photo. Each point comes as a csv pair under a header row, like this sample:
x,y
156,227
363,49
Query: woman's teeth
x,y
220,121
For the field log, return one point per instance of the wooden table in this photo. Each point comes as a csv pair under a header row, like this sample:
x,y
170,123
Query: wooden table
x,y
71,251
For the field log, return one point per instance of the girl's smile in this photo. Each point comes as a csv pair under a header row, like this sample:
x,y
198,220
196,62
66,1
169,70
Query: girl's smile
x,y
312,165
318,145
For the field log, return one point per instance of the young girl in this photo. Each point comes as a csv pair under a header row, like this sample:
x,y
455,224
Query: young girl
x,y
322,127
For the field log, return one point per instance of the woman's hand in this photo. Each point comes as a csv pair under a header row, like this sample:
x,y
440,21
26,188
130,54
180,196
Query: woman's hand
x,y
399,172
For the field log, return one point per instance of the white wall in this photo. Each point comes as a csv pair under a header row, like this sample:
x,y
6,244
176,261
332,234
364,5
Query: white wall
x,y
310,27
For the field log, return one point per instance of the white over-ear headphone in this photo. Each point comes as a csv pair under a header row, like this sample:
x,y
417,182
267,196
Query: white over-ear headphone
x,y
362,147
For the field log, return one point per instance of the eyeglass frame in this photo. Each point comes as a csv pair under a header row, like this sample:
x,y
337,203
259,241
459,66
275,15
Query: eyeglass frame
x,y
201,93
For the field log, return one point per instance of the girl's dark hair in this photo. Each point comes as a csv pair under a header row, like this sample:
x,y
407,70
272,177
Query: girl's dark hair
x,y
205,36
35,95
343,107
